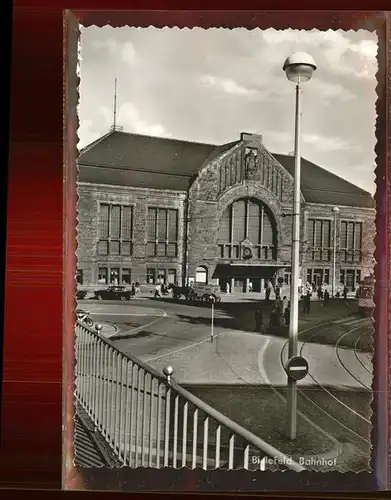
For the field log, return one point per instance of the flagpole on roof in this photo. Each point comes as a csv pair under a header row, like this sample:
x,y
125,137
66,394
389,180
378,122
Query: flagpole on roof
x,y
115,104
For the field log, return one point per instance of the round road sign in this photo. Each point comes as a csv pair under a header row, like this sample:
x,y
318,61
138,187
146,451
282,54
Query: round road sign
x,y
297,368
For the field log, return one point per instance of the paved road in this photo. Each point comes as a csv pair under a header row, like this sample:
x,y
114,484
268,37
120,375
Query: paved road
x,y
156,328
164,332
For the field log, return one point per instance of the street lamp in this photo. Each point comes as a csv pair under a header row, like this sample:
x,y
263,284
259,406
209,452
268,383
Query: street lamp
x,y
335,211
299,68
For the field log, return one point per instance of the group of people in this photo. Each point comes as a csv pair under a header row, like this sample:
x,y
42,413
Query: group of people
x,y
279,314
322,294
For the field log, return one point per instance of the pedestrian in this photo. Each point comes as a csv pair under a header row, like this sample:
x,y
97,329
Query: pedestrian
x,y
284,304
250,286
326,298
267,294
133,290
258,320
345,294
137,286
319,293
227,288
277,292
287,315
274,321
307,303
157,291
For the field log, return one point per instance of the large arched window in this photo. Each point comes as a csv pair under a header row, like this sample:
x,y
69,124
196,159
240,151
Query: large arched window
x,y
247,219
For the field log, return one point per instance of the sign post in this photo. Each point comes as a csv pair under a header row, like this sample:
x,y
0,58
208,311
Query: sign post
x,y
212,319
296,369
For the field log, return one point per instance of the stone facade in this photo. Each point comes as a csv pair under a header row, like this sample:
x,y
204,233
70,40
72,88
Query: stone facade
x,y
245,170
89,260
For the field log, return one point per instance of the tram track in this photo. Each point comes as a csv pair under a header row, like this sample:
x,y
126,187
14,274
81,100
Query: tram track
x,y
337,353
312,395
355,349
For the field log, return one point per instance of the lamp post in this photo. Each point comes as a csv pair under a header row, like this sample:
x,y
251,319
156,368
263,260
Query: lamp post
x,y
335,211
299,68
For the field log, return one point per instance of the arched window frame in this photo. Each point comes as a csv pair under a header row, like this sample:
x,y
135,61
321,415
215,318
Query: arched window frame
x,y
230,249
202,270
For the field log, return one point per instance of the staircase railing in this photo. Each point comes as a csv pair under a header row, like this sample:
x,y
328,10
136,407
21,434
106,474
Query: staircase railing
x,y
149,420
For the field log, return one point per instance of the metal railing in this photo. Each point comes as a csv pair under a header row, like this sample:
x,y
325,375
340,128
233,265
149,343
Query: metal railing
x,y
149,420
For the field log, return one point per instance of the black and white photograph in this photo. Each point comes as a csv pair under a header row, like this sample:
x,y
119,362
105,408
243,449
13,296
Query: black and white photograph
x,y
225,249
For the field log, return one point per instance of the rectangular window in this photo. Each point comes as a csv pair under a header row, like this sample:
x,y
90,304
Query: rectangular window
x,y
358,276
238,220
171,276
126,229
102,275
151,276
115,221
114,276
126,248
350,278
151,224
79,276
318,277
114,248
254,222
172,225
115,230
162,225
161,275
326,277
351,241
104,221
342,277
162,232
319,239
126,276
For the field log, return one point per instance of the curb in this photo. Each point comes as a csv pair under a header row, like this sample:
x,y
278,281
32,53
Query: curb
x,y
134,331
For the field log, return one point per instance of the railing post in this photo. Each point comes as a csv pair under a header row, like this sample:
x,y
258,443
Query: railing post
x,y
168,371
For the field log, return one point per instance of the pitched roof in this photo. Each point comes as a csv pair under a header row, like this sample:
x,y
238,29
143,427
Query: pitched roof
x,y
321,186
121,158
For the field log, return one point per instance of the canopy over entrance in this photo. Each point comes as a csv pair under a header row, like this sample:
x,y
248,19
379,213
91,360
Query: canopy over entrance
x,y
244,278
243,271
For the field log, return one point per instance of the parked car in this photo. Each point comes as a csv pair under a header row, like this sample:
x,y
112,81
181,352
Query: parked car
x,y
205,293
81,294
113,293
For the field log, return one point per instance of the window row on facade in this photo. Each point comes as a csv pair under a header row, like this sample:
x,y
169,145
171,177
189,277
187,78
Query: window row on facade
x,y
320,241
245,219
117,275
348,277
116,231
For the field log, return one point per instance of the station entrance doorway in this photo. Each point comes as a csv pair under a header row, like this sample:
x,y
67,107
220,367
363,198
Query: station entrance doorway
x,y
243,279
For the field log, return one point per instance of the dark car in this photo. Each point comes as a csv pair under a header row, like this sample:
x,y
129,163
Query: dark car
x,y
113,293
81,294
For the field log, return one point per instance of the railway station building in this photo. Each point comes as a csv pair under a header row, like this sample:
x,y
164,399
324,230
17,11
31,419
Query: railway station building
x,y
155,210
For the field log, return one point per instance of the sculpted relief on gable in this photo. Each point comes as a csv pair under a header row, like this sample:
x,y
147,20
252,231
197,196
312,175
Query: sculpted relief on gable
x,y
244,165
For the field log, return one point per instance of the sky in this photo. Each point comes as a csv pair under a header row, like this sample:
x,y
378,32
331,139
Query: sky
x,y
210,85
